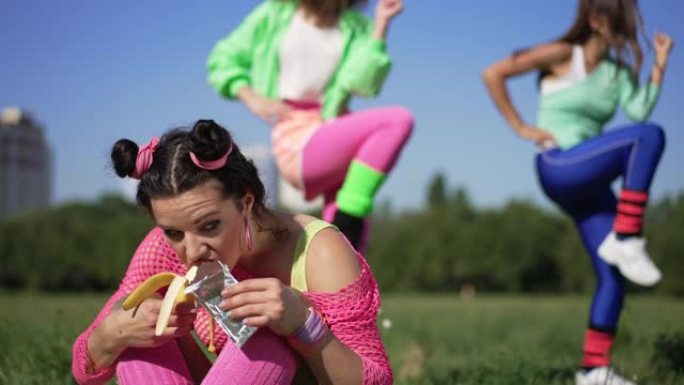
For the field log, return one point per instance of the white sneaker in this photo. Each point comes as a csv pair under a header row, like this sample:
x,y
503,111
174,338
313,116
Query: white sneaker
x,y
631,258
603,375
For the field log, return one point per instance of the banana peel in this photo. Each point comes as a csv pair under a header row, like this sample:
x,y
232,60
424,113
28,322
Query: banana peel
x,y
147,289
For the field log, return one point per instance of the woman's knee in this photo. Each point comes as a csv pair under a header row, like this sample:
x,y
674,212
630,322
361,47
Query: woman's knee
x,y
163,365
400,120
653,134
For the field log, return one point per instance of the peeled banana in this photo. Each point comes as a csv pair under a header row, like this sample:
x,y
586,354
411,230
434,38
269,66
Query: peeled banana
x,y
147,288
174,294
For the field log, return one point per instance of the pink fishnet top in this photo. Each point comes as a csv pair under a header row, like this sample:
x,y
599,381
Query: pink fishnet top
x,y
350,313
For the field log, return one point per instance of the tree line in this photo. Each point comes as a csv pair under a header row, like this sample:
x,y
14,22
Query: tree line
x,y
447,245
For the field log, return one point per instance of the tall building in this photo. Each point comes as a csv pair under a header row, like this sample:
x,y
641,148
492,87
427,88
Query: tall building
x,y
25,164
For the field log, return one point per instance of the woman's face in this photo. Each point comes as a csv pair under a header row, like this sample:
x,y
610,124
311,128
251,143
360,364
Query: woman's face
x,y
600,24
202,225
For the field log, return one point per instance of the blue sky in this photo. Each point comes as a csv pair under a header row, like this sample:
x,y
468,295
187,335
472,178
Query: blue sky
x,y
96,71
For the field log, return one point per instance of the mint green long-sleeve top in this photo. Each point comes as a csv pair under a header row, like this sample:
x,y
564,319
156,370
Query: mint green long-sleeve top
x,y
249,56
579,112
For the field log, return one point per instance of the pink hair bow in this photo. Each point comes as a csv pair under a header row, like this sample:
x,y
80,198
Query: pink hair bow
x,y
144,160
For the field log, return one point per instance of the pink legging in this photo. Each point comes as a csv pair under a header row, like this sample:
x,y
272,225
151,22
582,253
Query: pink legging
x,y
264,359
374,137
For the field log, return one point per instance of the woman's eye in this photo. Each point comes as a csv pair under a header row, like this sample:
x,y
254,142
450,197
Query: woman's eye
x,y
211,226
174,235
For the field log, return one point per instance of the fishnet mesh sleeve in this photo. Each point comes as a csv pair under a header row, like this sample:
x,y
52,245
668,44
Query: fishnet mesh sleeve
x,y
154,255
351,315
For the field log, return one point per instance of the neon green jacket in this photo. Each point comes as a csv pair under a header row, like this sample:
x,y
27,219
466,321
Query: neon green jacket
x,y
249,56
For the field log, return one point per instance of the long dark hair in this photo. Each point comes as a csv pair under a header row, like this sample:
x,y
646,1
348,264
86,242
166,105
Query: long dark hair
x,y
172,171
625,23
329,11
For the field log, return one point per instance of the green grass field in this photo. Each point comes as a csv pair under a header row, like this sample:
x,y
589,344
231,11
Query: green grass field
x,y
433,339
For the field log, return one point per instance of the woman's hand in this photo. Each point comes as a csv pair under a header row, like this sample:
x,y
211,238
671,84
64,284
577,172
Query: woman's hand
x,y
266,302
662,45
269,110
135,328
542,138
386,10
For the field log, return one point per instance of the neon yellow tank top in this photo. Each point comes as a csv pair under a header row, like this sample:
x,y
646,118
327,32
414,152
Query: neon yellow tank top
x,y
298,273
304,375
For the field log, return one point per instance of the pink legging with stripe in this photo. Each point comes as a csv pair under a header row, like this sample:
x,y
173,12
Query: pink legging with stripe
x,y
265,359
374,137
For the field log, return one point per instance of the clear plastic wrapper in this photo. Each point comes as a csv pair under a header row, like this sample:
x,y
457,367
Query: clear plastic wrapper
x,y
207,286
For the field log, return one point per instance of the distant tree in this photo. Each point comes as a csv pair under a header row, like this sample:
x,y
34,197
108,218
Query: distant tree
x,y
436,192
518,247
76,246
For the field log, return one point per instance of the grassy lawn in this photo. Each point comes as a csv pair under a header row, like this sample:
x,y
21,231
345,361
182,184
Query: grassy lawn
x,y
432,339
525,340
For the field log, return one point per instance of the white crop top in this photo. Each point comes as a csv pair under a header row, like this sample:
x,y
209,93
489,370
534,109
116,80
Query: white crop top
x,y
577,73
309,56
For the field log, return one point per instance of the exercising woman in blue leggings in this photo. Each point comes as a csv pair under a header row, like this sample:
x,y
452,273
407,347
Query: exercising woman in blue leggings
x,y
581,88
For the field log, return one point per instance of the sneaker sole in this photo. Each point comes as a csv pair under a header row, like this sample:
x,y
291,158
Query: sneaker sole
x,y
637,281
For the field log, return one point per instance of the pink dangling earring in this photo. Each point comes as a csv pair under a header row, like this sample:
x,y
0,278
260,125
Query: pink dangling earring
x,y
248,235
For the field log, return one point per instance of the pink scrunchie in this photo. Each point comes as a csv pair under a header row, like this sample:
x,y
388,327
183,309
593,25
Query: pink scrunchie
x,y
144,160
211,164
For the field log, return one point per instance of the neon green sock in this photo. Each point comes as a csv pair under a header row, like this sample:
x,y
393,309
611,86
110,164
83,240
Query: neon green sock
x,y
358,190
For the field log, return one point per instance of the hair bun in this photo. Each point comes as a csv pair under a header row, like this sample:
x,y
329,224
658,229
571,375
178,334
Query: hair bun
x,y
208,140
124,155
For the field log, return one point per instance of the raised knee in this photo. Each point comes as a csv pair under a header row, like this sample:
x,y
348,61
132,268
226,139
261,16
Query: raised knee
x,y
653,132
402,120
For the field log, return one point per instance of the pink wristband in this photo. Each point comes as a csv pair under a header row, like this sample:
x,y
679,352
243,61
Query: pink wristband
x,y
312,335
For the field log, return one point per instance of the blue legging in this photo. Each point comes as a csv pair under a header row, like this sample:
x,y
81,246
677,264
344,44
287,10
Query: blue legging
x,y
579,179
